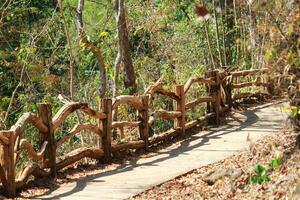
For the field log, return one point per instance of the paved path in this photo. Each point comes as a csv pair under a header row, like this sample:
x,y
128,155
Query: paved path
x,y
200,149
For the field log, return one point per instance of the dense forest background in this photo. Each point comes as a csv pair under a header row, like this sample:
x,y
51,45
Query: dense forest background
x,y
91,49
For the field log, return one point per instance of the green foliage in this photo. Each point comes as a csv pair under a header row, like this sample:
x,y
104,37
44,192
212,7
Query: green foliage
x,y
270,53
295,111
260,175
274,163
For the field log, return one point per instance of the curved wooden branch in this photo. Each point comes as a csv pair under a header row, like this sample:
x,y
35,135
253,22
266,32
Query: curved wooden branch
x,y
251,72
158,88
68,108
128,99
163,114
26,118
201,120
150,90
163,136
92,113
77,155
31,152
198,101
125,124
78,128
193,80
129,145
162,91
31,169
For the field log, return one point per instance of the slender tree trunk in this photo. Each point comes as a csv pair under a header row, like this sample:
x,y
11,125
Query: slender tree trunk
x,y
92,47
124,47
117,66
237,32
72,65
23,71
217,33
71,55
252,35
206,24
224,35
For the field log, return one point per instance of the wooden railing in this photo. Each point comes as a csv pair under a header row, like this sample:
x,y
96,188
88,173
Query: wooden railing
x,y
219,98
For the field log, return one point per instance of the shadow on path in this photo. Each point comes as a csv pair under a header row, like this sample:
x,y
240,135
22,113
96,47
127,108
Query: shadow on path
x,y
250,119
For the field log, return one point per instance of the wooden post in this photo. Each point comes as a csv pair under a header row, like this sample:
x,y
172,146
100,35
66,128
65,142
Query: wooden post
x,y
227,86
8,164
271,86
49,160
208,87
143,117
180,106
228,94
105,106
215,92
217,103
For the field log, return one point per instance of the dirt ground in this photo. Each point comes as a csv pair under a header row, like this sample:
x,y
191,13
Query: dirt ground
x,y
282,184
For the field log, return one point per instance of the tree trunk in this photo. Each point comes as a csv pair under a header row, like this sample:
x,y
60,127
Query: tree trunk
x,y
124,47
217,34
70,49
92,47
206,25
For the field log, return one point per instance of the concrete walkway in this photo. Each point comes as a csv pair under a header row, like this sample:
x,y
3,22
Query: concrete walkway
x,y
200,149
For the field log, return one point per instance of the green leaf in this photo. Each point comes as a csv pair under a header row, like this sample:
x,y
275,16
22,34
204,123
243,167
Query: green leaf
x,y
291,29
76,138
259,169
270,53
274,164
265,177
103,34
294,113
254,179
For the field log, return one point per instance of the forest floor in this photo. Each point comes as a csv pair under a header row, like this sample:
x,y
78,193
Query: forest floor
x,y
231,139
283,183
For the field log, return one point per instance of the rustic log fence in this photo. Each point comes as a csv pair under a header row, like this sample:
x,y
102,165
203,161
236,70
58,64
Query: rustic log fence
x,y
220,97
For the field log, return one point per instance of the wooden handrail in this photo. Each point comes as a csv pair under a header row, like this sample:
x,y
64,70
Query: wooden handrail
x,y
69,108
127,99
163,114
26,118
129,145
158,88
78,154
216,82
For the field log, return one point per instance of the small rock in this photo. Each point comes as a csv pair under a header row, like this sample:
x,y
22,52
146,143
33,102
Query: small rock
x,y
211,177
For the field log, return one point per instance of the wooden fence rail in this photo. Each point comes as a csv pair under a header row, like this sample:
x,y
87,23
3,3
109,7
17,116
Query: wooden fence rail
x,y
219,97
